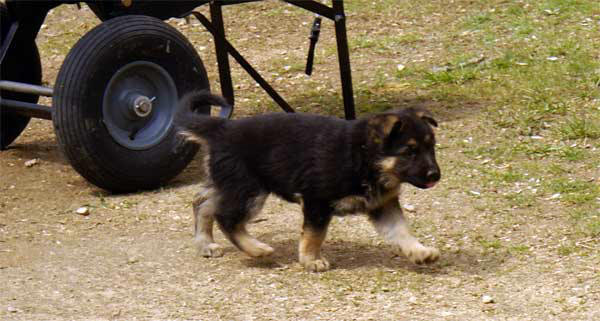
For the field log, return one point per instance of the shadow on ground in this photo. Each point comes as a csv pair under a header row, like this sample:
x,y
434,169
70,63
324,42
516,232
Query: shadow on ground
x,y
348,255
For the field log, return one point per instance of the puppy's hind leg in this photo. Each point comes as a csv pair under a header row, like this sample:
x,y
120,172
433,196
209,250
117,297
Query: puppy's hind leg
x,y
205,205
232,219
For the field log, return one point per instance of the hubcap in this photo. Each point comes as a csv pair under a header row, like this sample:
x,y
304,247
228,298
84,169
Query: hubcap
x,y
138,105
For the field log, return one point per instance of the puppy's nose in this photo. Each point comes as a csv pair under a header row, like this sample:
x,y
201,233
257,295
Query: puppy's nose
x,y
433,175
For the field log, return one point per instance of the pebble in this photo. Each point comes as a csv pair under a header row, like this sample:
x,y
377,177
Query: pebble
x,y
12,309
487,299
32,162
408,207
83,211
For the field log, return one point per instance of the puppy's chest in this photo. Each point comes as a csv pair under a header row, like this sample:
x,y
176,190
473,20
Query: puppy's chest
x,y
364,203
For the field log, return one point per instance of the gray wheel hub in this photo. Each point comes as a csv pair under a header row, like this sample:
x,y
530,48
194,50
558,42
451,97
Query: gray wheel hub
x,y
139,105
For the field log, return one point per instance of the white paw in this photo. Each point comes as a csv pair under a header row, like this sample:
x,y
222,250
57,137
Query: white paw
x,y
318,265
210,250
422,254
259,250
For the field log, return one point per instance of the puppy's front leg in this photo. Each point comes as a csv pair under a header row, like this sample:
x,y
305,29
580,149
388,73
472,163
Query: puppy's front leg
x,y
314,231
391,224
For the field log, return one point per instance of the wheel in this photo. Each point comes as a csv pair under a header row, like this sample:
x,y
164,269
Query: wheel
x,y
21,63
114,101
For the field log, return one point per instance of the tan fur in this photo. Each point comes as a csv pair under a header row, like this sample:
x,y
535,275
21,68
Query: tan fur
x,y
387,164
388,177
250,245
381,126
310,250
204,210
361,204
256,205
189,136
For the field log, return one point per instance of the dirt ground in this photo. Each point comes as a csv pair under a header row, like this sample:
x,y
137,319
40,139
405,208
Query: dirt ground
x,y
132,258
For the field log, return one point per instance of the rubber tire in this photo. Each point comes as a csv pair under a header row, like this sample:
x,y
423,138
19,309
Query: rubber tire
x,y
21,63
78,97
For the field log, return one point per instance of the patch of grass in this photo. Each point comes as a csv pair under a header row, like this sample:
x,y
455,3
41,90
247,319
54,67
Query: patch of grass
x,y
579,128
456,76
519,249
521,200
490,244
586,220
477,21
574,191
566,250
573,154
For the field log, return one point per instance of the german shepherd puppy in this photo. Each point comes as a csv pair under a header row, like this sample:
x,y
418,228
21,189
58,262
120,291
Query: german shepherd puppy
x,y
328,165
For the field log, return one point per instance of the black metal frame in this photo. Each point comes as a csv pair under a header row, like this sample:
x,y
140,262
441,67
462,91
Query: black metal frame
x,y
223,49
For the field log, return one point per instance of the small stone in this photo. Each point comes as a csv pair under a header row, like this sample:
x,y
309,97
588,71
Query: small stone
x,y
487,299
410,208
132,260
552,58
84,210
400,67
12,309
32,162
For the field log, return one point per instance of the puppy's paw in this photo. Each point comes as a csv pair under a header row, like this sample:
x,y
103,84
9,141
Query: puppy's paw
x,y
420,254
210,250
318,265
259,249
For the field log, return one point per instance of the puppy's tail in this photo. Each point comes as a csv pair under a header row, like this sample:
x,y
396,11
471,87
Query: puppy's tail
x,y
192,119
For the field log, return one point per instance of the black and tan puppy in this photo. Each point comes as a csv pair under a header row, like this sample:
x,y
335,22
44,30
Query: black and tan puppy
x,y
328,165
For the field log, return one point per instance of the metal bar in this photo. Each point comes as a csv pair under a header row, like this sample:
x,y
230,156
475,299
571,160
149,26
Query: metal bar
x,y
8,40
26,88
216,16
244,63
344,58
315,7
314,38
26,109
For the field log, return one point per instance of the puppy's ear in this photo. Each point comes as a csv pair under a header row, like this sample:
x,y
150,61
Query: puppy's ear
x,y
427,116
382,126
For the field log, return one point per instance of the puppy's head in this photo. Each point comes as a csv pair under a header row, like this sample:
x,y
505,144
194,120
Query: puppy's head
x,y
404,143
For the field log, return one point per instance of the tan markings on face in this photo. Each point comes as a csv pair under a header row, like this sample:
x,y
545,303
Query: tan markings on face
x,y
420,114
411,142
